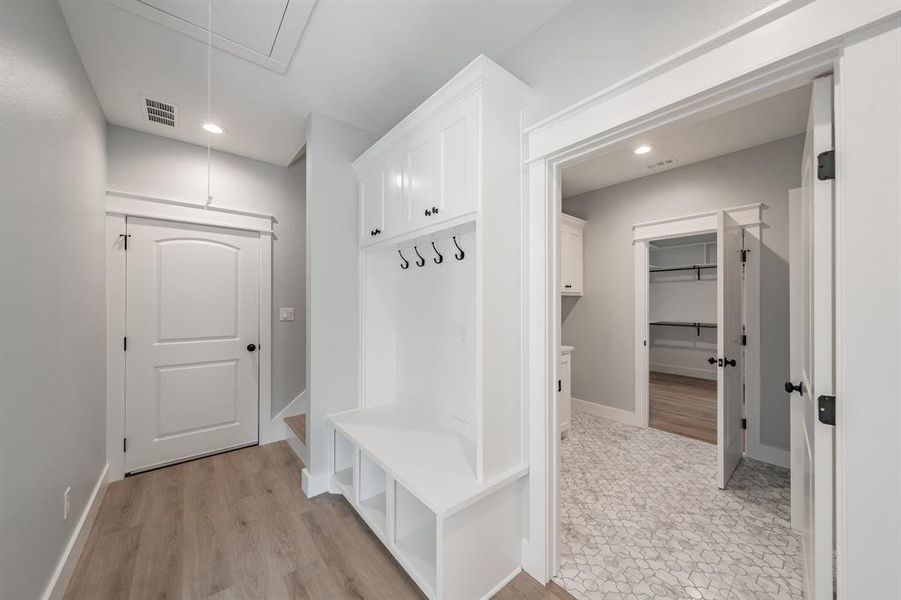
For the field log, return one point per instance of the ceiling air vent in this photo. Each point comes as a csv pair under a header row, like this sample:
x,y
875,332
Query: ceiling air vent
x,y
159,112
662,164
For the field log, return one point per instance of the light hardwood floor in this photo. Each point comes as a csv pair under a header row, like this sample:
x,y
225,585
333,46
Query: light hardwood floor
x,y
298,425
237,526
683,405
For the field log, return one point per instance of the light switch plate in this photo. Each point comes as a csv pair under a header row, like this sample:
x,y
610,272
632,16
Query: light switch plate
x,y
286,314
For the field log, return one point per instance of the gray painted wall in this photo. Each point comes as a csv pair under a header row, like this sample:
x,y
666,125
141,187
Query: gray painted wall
x,y
600,324
148,164
52,299
591,45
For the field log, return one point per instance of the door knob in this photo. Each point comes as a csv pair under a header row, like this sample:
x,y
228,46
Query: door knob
x,y
251,347
790,387
729,362
711,360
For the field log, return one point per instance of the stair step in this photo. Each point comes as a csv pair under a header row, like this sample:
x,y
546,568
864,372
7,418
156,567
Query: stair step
x,y
298,425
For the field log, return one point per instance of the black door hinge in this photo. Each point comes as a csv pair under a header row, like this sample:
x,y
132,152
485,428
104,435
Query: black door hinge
x,y
826,409
744,423
559,385
744,339
826,165
124,444
124,344
125,237
744,256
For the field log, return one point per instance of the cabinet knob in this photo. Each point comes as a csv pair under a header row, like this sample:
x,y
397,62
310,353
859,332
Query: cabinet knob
x,y
428,212
790,387
378,231
434,210
567,286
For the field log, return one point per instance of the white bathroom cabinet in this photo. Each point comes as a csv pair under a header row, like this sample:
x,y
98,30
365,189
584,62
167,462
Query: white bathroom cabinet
x,y
571,267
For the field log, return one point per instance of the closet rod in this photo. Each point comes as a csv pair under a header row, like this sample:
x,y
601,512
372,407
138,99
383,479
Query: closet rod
x,y
685,268
697,326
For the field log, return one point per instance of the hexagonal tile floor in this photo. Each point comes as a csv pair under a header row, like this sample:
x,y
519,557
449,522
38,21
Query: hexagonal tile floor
x,y
642,519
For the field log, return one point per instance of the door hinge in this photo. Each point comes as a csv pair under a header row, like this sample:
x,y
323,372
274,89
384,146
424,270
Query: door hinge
x,y
826,165
124,344
124,444
744,339
744,255
744,423
826,410
125,237
559,385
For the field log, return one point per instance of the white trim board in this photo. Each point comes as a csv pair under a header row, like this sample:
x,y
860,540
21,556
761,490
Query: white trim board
x,y
59,581
684,371
771,52
607,412
121,205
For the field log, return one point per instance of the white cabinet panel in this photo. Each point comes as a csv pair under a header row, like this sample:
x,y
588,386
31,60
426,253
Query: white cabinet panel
x,y
571,256
458,151
421,177
382,198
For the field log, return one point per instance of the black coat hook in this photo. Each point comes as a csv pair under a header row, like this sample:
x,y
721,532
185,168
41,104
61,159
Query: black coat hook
x,y
406,264
421,261
461,254
440,258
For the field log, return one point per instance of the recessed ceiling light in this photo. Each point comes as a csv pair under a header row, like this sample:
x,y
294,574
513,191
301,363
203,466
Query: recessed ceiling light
x,y
643,149
212,128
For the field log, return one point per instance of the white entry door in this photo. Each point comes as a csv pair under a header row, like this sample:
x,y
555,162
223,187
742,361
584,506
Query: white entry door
x,y
813,350
192,326
729,410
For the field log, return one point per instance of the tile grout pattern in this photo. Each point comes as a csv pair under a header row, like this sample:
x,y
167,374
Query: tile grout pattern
x,y
642,519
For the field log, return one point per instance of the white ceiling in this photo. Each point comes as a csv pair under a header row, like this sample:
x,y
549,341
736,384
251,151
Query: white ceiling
x,y
367,63
765,121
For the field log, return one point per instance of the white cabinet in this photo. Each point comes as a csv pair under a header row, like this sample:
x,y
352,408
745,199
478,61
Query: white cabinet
x,y
381,191
564,394
571,255
441,335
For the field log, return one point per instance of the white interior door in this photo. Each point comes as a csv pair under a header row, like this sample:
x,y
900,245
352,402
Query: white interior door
x,y
813,350
192,297
729,412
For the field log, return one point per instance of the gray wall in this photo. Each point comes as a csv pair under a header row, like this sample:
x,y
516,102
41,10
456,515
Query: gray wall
x,y
52,293
600,324
332,280
591,45
149,164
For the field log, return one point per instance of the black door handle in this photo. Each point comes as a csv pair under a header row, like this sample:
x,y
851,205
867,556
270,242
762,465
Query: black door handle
x,y
251,347
790,387
729,362
711,360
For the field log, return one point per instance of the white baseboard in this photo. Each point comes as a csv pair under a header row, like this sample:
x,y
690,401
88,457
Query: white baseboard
x,y
56,587
313,484
275,430
685,371
608,412
769,454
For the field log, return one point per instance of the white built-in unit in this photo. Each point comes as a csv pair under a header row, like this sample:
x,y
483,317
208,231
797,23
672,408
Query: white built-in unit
x,y
564,390
434,459
571,269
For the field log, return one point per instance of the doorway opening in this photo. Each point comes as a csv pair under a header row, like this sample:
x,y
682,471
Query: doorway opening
x,y
674,351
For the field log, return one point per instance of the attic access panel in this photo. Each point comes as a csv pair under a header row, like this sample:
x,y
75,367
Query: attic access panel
x,y
265,32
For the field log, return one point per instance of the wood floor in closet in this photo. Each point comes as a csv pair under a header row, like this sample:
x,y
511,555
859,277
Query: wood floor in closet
x,y
237,526
683,405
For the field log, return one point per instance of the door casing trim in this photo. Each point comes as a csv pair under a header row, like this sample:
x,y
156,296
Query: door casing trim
x,y
121,205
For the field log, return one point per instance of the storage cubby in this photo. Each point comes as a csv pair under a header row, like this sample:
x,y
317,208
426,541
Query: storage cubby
x,y
373,493
344,458
416,536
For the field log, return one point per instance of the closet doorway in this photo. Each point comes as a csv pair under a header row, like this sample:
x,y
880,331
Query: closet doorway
x,y
681,338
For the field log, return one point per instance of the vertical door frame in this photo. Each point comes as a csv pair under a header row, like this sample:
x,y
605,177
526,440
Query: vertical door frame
x,y
720,73
120,206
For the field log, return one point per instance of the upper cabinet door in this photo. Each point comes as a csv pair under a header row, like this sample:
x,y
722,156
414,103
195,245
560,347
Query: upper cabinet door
x,y
421,177
382,198
570,259
371,204
458,160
